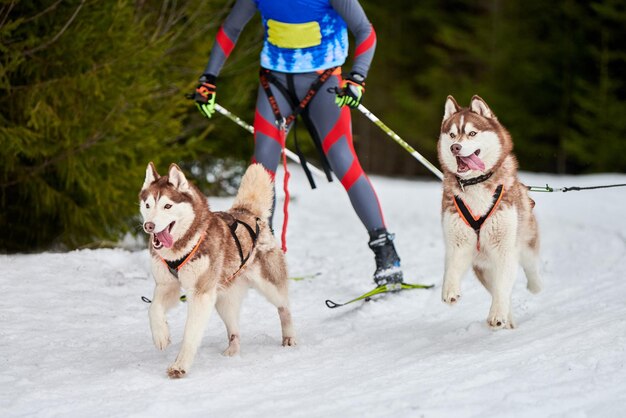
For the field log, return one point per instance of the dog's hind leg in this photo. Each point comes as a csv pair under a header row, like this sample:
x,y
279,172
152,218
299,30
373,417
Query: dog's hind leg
x,y
228,307
277,295
198,311
289,338
272,283
529,258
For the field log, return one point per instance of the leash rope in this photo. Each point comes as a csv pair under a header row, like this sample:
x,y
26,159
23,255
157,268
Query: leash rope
x,y
283,234
549,189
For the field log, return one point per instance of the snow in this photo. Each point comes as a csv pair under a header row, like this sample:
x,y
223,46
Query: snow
x,y
75,340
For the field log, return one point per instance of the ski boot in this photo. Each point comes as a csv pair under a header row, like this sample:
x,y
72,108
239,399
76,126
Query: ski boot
x,y
388,271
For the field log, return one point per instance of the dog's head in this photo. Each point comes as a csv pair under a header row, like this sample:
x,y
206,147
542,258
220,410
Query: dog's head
x,y
472,141
167,206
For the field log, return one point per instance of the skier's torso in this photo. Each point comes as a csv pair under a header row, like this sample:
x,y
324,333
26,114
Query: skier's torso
x,y
302,35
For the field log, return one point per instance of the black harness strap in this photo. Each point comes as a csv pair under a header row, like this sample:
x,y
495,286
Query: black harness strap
x,y
289,93
254,234
172,266
266,77
474,223
233,223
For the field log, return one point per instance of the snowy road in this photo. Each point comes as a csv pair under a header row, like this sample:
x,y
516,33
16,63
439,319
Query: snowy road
x,y
75,341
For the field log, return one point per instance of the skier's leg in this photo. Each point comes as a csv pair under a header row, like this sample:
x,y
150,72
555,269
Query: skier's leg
x,y
333,125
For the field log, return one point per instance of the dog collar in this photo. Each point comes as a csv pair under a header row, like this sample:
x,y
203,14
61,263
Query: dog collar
x,y
473,180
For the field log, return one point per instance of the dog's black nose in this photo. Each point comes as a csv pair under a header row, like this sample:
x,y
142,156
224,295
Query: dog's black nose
x,y
455,148
148,227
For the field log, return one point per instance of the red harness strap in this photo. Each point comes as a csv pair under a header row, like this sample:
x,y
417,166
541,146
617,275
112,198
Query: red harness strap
x,y
477,222
283,234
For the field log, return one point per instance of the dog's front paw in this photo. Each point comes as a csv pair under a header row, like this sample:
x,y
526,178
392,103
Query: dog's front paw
x,y
161,337
498,321
289,341
450,294
176,372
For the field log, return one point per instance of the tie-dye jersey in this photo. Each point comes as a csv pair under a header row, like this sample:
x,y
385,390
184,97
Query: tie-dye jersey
x,y
332,46
300,35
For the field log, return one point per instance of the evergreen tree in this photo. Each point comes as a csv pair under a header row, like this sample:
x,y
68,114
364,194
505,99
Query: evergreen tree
x,y
552,72
594,139
90,92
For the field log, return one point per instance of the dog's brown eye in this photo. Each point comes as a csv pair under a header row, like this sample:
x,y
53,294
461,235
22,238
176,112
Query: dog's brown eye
x,y
168,206
452,135
147,206
472,133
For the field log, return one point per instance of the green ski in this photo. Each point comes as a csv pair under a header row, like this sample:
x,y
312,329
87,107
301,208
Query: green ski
x,y
385,288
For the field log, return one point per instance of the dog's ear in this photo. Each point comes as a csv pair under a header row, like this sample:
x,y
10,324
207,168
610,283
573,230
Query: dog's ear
x,y
478,105
151,176
178,179
450,108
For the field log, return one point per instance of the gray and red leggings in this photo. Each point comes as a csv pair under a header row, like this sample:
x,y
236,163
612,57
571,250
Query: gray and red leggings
x,y
332,125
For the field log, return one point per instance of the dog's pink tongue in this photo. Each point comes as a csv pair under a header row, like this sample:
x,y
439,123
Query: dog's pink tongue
x,y
165,238
473,162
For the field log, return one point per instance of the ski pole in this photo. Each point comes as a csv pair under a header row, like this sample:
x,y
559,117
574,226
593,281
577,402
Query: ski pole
x,y
419,157
291,155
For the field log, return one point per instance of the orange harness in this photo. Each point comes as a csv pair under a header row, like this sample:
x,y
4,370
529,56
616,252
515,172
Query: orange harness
x,y
175,266
477,222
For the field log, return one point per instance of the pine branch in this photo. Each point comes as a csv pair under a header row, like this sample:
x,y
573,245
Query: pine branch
x,y
30,52
45,11
33,171
6,10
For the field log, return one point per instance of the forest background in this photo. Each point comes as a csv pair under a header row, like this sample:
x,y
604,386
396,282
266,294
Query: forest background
x,y
91,91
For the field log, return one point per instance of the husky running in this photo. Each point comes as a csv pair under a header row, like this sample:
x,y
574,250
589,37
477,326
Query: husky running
x,y
487,215
214,256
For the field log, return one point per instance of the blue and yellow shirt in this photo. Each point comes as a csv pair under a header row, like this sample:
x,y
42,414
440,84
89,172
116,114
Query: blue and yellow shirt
x,y
300,35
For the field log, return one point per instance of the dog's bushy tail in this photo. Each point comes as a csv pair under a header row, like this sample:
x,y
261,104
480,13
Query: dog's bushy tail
x,y
256,192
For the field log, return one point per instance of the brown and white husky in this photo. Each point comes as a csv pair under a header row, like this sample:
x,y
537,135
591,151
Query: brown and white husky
x,y
487,215
214,256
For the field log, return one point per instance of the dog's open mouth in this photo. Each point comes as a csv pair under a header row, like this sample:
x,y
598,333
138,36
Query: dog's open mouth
x,y
470,162
163,238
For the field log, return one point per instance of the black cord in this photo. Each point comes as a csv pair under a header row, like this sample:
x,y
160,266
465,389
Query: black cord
x,y
569,189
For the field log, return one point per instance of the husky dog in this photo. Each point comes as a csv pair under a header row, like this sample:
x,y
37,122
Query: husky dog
x,y
487,215
214,256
